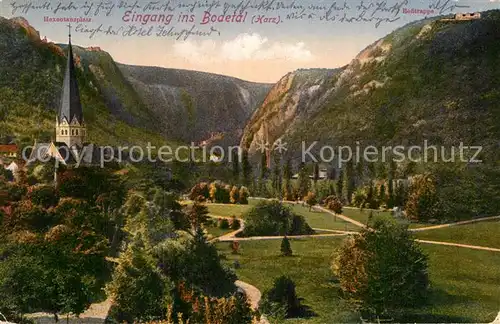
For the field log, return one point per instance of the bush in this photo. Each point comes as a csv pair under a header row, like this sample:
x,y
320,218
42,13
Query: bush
x,y
224,224
204,309
422,201
310,199
334,204
281,296
286,248
273,218
234,195
244,194
235,223
43,195
359,198
200,189
219,192
6,174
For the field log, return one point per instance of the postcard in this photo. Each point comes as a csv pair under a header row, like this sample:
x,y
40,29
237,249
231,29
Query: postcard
x,y
249,161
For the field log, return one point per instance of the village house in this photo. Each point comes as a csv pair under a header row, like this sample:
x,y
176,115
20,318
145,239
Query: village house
x,y
9,158
8,151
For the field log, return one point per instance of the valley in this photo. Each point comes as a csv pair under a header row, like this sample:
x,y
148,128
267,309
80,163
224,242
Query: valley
x,y
273,235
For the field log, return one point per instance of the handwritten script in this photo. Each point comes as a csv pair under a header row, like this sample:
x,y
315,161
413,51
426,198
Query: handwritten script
x,y
205,18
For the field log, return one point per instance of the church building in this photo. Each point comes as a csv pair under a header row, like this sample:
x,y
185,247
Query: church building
x,y
70,145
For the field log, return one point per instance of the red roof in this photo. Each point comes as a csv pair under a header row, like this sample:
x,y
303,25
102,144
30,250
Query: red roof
x,y
10,148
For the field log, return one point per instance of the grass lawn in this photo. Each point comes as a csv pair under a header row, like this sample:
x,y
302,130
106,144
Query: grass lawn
x,y
320,219
216,231
316,219
481,233
309,268
464,283
363,215
228,210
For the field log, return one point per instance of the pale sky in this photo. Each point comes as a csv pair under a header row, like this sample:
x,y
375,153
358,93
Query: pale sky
x,y
261,52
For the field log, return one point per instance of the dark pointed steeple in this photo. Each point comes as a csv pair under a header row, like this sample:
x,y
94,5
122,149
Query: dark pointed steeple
x,y
71,106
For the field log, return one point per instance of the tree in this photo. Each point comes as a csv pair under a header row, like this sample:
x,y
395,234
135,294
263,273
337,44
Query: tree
x,y
168,208
198,308
197,215
263,174
380,170
310,199
235,223
332,175
219,192
234,195
43,195
348,182
236,168
246,169
371,197
303,180
200,189
315,174
138,288
359,198
6,174
286,248
277,178
382,195
400,195
390,191
391,177
360,171
338,185
422,201
287,186
382,270
281,295
195,262
334,204
243,195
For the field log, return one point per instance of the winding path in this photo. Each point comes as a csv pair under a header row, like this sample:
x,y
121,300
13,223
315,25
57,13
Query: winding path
x,y
482,219
343,217
232,236
474,247
254,295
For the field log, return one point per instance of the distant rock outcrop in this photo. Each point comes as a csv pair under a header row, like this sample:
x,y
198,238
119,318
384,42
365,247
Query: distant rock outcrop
x,y
121,103
192,106
294,98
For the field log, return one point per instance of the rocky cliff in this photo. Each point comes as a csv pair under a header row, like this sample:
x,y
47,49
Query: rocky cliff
x,y
194,106
434,79
295,98
122,104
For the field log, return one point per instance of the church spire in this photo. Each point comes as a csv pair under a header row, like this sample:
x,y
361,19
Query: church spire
x,y
71,106
70,126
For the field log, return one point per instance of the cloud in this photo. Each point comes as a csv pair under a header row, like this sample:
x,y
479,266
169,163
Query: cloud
x,y
196,52
243,47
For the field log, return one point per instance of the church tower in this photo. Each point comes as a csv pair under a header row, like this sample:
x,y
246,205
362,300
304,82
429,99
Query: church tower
x,y
70,126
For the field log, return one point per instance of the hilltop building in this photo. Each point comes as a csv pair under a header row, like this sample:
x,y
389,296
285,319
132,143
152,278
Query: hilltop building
x,y
468,16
